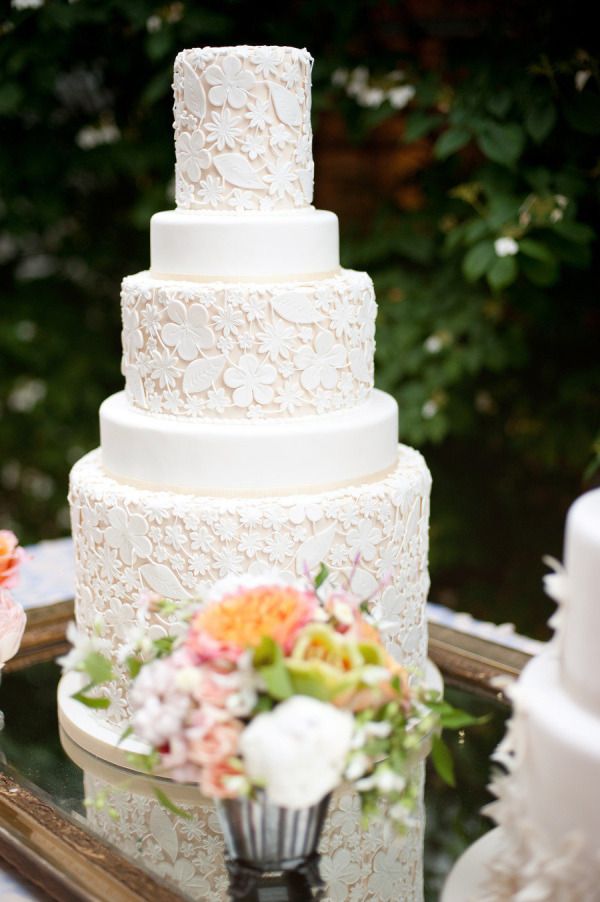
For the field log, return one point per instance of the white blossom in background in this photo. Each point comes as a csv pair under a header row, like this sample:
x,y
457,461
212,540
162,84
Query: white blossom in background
x,y
401,96
26,395
26,4
94,135
506,247
429,409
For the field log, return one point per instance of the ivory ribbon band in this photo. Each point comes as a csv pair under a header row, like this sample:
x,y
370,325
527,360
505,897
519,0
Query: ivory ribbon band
x,y
294,277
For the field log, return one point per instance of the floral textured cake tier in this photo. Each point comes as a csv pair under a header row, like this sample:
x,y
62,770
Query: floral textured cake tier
x,y
242,128
248,350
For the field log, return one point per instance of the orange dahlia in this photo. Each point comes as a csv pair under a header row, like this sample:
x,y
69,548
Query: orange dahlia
x,y
240,621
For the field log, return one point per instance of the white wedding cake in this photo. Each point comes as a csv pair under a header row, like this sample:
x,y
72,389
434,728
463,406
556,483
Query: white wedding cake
x,y
548,804
249,435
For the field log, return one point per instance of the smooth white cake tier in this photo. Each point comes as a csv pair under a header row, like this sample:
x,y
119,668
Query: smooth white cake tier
x,y
128,540
252,458
560,771
290,245
248,350
355,863
243,137
547,803
580,623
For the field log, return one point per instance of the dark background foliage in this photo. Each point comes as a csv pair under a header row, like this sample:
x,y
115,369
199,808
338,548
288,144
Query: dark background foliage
x,y
494,359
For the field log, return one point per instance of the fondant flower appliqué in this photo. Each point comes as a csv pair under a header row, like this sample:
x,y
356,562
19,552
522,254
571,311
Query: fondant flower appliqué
x,y
252,381
191,155
230,82
319,365
128,535
188,332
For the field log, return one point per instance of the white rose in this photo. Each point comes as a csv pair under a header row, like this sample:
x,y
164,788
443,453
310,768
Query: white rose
x,y
298,750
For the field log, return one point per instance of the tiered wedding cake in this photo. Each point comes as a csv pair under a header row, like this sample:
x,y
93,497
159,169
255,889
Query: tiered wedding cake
x,y
548,806
249,435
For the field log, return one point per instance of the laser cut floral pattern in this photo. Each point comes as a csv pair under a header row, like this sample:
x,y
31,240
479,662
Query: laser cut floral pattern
x,y
248,350
178,544
243,136
356,865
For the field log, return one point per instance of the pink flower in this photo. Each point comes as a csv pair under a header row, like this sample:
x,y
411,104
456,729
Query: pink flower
x,y
207,648
215,779
11,558
216,745
12,625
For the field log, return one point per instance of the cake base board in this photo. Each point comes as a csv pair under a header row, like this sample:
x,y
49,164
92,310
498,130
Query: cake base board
x,y
85,727
466,880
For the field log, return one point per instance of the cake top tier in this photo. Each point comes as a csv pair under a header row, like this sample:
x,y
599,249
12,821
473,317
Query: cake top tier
x,y
243,139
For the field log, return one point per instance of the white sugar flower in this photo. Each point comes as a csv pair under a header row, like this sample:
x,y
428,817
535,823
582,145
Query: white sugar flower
x,y
163,366
241,200
319,365
128,533
506,247
251,380
188,331
192,158
223,130
364,540
266,60
297,751
281,177
259,115
230,83
280,136
254,146
211,191
291,75
276,339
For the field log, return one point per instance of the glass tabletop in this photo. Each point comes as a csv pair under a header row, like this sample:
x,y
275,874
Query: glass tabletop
x,y
185,854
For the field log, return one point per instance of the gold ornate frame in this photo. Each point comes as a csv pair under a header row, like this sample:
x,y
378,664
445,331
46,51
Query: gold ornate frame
x,y
70,863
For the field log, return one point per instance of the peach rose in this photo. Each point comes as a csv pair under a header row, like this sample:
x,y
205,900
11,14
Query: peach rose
x,y
11,558
216,745
12,625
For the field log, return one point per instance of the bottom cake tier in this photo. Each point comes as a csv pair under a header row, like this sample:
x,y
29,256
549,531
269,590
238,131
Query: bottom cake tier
x,y
130,540
547,803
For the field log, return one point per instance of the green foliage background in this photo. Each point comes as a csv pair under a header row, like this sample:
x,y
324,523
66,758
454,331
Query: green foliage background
x,y
494,360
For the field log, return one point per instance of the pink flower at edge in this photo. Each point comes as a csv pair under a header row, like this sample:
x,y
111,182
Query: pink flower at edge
x,y
11,558
12,626
208,649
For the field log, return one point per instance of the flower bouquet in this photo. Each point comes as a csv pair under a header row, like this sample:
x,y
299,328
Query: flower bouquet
x,y
12,615
274,694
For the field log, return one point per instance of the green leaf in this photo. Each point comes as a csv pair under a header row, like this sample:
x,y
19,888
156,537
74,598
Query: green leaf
x,y
502,273
266,652
478,260
134,665
502,142
419,124
166,802
90,702
164,645
574,231
450,142
540,121
277,680
582,111
442,760
146,763
499,103
321,576
542,273
537,250
98,668
127,732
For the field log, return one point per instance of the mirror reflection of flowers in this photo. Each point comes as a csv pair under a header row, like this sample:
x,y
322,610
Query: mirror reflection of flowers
x,y
12,615
281,690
